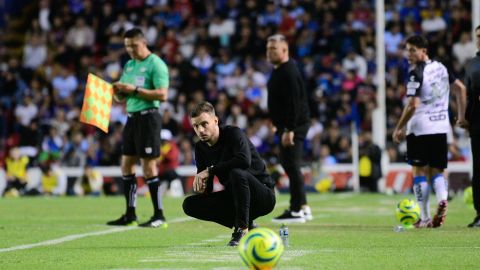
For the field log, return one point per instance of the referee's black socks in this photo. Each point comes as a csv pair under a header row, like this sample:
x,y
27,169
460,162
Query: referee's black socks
x,y
130,192
153,184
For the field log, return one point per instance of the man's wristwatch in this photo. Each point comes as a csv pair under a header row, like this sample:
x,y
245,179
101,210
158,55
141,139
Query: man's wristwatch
x,y
135,92
210,170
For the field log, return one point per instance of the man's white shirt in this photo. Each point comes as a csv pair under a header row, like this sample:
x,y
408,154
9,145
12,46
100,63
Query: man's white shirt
x,y
430,81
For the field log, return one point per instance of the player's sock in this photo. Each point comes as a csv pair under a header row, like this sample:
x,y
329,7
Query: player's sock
x,y
130,192
420,188
440,185
153,184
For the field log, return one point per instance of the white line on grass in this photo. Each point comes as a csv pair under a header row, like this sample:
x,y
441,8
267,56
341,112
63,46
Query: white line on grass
x,y
79,236
204,256
109,231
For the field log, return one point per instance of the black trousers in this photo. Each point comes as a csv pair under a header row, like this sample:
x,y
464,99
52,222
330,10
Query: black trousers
x,y
244,199
475,143
290,158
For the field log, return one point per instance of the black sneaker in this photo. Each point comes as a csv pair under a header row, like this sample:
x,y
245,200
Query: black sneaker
x,y
237,234
124,221
154,222
475,223
290,216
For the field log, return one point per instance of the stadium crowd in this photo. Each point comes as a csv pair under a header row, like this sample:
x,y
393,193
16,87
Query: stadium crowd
x,y
215,51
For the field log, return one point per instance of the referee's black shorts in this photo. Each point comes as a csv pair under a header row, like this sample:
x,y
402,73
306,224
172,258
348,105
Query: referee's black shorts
x,y
141,135
427,150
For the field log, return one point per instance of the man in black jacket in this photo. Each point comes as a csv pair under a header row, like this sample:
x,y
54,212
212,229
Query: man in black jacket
x,y
289,112
227,153
472,82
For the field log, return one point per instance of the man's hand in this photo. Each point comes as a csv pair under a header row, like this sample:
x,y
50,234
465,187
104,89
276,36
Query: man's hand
x,y
123,87
398,135
287,138
461,122
200,181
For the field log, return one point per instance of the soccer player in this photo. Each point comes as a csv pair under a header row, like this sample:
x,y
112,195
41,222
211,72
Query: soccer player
x,y
227,153
427,124
144,82
472,82
289,112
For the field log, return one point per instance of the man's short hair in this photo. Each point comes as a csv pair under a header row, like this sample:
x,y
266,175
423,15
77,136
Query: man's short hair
x,y
277,38
418,41
134,33
477,28
202,107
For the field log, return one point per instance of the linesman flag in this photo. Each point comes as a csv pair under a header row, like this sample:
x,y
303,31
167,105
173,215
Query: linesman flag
x,y
97,103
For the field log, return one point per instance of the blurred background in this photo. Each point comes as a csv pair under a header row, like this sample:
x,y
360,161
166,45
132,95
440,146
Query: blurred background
x,y
215,51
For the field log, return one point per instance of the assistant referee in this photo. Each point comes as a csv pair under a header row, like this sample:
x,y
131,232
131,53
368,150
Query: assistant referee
x,y
144,82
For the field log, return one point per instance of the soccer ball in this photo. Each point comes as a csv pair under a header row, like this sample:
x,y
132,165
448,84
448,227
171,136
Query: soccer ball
x,y
468,196
260,248
408,212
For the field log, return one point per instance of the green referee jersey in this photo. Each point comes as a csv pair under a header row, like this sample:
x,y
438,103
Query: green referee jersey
x,y
149,73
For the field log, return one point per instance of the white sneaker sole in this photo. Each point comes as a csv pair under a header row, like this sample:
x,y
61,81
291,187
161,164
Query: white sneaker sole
x,y
289,220
156,224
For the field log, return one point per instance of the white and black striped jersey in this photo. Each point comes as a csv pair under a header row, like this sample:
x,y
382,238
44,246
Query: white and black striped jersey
x,y
430,81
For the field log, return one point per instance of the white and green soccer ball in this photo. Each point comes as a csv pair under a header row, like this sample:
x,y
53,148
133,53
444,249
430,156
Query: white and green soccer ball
x,y
260,248
408,212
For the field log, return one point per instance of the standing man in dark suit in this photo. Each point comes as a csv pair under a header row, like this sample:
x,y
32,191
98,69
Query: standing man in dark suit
x,y
472,115
289,112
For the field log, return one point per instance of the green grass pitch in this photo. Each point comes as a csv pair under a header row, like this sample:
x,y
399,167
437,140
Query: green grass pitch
x,y
349,231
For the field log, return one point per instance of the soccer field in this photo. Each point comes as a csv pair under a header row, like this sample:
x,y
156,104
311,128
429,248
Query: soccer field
x,y
349,231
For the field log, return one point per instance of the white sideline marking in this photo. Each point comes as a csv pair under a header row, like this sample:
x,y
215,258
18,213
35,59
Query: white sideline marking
x,y
204,256
72,237
79,236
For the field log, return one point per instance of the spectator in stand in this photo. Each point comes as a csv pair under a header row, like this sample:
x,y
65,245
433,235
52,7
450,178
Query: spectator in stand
x,y
80,37
354,61
464,49
236,117
120,25
433,22
44,15
64,84
325,157
169,158
221,29
16,169
34,52
26,111
202,60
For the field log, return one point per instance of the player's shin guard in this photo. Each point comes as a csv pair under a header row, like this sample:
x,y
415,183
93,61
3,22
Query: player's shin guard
x,y
153,184
440,185
421,190
130,192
